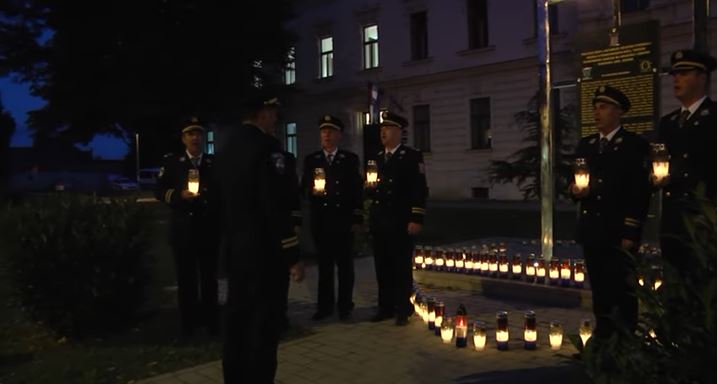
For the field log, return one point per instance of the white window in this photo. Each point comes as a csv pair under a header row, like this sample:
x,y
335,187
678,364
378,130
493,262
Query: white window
x,y
210,142
291,141
290,68
326,61
370,47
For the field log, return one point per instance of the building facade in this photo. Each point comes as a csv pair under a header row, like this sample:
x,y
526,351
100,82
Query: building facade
x,y
458,70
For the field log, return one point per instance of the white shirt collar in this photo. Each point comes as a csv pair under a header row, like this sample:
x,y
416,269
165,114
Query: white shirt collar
x,y
392,150
199,158
610,135
692,108
327,153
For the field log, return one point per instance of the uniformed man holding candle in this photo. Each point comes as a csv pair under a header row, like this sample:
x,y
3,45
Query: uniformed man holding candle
x,y
613,207
185,184
333,185
259,240
689,135
398,201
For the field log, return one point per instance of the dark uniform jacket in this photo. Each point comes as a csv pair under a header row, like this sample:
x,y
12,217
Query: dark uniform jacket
x,y
259,193
400,196
692,150
341,204
617,203
172,180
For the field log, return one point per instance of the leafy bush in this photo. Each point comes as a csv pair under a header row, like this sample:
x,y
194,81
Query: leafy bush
x,y
76,263
677,337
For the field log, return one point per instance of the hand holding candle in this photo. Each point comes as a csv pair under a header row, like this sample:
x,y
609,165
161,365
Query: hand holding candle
x,y
660,164
582,176
319,182
371,174
193,181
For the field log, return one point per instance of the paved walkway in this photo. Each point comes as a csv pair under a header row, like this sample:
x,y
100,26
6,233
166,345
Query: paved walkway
x,y
365,352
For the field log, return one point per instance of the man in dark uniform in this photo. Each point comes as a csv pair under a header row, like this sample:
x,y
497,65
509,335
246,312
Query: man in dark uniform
x,y
336,210
398,203
291,202
690,135
612,211
193,229
259,242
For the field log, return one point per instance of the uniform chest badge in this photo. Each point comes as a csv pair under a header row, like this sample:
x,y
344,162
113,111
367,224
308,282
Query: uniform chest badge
x,y
279,163
696,123
402,152
182,159
705,112
341,155
618,140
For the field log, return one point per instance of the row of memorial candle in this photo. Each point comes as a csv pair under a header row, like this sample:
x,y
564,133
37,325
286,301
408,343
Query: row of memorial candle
x,y
660,166
450,328
562,272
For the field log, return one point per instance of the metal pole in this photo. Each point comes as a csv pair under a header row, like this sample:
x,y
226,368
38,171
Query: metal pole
x,y
700,15
616,23
136,149
547,183
616,14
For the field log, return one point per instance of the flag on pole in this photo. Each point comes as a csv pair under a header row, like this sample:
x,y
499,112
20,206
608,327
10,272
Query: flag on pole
x,y
374,108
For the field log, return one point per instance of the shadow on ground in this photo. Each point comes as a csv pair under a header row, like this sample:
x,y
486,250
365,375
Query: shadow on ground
x,y
567,373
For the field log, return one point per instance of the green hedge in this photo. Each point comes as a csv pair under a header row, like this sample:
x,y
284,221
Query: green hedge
x,y
78,264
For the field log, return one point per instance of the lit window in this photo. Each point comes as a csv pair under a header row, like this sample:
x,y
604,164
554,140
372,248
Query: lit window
x,y
290,68
326,62
291,140
370,47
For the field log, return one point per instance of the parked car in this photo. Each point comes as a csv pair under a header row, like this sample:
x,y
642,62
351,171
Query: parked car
x,y
148,177
124,184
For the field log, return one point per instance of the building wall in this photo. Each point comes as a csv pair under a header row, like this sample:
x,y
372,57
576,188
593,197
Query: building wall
x,y
506,71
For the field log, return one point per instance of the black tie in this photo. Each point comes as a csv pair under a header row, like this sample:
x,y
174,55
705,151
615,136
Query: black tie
x,y
195,160
683,117
388,156
603,144
330,158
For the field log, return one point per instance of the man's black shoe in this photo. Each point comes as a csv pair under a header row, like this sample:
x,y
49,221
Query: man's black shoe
x,y
402,321
381,317
318,316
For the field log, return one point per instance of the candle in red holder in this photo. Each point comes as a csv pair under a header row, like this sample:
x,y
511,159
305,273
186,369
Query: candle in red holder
x,y
461,330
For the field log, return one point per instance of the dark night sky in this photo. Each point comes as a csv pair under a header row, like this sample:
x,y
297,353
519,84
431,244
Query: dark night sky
x,y
17,100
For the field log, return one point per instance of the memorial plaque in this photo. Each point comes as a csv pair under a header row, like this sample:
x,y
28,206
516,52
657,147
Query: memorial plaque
x,y
632,67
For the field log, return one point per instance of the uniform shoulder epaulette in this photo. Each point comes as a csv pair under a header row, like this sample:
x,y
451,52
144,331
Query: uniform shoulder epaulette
x,y
347,153
590,139
673,115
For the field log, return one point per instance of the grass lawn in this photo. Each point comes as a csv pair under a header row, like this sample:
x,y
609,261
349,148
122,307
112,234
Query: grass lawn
x,y
30,354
